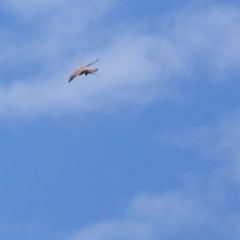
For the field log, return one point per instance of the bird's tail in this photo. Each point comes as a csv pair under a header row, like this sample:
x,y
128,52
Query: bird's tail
x,y
96,75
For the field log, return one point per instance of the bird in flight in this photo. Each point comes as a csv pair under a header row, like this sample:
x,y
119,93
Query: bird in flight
x,y
83,70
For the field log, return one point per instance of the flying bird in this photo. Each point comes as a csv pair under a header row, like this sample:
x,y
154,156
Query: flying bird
x,y
83,70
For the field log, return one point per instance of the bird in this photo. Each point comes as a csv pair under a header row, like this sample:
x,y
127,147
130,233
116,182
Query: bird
x,y
83,70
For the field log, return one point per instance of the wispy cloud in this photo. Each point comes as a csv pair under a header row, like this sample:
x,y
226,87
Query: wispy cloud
x,y
136,66
218,141
174,215
202,207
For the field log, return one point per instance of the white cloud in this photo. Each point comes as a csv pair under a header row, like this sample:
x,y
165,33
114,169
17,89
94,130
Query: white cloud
x,y
114,229
175,215
54,94
136,67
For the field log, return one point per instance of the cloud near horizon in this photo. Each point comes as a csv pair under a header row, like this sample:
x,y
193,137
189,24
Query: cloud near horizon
x,y
191,210
173,215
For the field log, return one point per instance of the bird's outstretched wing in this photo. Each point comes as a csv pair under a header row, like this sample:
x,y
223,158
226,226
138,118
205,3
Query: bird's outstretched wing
x,y
74,75
91,63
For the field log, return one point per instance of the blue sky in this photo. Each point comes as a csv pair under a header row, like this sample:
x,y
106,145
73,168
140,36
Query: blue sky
x,y
147,151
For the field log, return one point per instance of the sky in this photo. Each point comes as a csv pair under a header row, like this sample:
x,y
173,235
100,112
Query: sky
x,y
147,150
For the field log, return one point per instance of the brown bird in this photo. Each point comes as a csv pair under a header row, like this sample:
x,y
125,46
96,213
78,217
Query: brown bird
x,y
83,70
